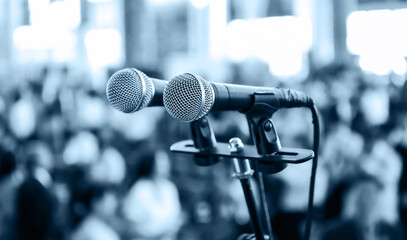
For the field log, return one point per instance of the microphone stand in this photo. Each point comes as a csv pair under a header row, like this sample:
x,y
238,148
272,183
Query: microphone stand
x,y
204,139
267,154
267,142
243,172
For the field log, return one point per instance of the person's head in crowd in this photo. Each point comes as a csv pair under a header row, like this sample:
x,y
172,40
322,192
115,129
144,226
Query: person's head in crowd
x,y
144,163
147,163
95,200
375,106
162,164
82,148
34,212
104,204
151,206
8,184
340,78
342,151
22,118
75,176
110,169
7,163
367,204
384,163
360,214
35,170
91,102
39,162
96,205
360,203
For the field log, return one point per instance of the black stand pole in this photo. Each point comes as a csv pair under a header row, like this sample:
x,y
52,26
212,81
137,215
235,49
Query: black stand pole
x,y
251,205
267,153
243,172
263,200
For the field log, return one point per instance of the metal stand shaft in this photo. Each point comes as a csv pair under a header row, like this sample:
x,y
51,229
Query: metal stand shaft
x,y
243,172
251,205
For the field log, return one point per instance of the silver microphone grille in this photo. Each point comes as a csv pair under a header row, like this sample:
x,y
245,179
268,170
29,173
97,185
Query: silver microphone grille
x,y
188,97
129,90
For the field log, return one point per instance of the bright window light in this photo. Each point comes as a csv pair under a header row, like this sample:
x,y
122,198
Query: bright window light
x,y
65,14
98,1
217,28
103,47
38,11
400,18
164,2
64,46
200,3
280,41
286,65
383,64
379,37
238,40
58,14
50,31
31,38
374,64
59,42
399,66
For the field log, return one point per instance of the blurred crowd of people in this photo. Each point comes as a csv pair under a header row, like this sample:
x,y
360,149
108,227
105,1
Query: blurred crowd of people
x,y
71,167
361,182
67,173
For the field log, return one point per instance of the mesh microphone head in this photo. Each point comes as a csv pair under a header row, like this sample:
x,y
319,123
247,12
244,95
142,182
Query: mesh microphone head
x,y
129,90
188,97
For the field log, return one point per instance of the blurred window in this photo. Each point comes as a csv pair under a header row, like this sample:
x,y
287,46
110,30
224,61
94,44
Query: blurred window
x,y
279,41
379,37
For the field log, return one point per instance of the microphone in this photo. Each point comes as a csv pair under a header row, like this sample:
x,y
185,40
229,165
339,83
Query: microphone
x,y
189,97
130,90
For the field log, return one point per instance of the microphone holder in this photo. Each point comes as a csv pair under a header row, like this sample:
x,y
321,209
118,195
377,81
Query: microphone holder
x,y
203,139
267,149
267,154
284,156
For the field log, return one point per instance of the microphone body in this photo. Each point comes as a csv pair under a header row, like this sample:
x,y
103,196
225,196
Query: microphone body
x,y
241,98
130,90
189,97
159,86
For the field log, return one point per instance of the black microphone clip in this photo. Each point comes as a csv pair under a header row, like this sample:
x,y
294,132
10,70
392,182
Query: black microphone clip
x,y
203,139
267,150
263,132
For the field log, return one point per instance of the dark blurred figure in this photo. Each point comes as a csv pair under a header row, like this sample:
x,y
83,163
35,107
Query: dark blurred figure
x,y
402,149
361,217
8,186
96,205
7,163
34,217
151,207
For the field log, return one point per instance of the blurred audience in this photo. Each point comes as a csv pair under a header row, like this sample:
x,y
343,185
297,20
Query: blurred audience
x,y
99,172
34,214
97,206
362,217
152,205
9,182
